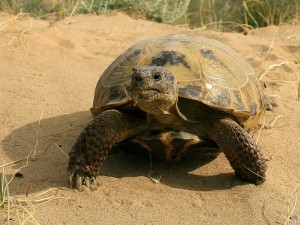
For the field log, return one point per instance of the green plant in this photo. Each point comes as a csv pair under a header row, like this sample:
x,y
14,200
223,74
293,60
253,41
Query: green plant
x,y
234,14
271,12
159,10
218,14
166,11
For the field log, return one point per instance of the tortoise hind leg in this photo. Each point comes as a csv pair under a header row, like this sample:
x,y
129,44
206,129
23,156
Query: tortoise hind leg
x,y
92,147
239,148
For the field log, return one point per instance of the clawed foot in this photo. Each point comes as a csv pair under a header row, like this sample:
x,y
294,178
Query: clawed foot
x,y
78,181
256,176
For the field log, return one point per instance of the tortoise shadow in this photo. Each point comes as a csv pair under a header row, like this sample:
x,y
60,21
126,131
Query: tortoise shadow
x,y
179,174
49,169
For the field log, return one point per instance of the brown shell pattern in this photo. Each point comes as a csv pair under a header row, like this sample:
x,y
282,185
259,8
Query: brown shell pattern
x,y
207,71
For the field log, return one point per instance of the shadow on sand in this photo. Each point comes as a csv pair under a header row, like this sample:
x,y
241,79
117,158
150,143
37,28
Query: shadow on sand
x,y
49,170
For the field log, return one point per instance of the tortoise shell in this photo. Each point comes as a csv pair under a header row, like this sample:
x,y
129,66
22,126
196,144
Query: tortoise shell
x,y
207,71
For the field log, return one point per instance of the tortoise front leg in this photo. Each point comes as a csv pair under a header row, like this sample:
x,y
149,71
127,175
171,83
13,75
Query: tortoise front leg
x,y
92,147
241,151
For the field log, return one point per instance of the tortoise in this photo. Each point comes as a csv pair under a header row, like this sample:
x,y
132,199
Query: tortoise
x,y
171,93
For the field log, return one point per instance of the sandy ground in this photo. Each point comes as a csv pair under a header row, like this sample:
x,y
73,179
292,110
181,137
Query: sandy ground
x,y
48,72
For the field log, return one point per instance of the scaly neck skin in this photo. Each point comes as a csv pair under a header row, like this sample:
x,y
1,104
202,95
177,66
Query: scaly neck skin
x,y
165,119
165,104
171,116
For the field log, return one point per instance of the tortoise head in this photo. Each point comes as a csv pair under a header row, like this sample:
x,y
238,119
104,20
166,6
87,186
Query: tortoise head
x,y
153,89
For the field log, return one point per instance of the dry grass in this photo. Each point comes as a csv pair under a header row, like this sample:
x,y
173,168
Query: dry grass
x,y
23,207
157,10
16,41
206,14
236,15
288,61
292,204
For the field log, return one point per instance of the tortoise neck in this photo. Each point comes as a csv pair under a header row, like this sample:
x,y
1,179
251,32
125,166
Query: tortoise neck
x,y
170,117
165,119
159,106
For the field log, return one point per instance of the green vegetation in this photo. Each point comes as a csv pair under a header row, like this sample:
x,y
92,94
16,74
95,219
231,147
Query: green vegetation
x,y
238,13
220,14
164,11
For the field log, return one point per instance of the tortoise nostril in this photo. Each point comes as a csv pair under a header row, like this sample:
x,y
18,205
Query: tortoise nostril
x,y
156,76
138,78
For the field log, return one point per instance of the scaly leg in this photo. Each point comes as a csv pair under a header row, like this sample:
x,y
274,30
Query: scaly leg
x,y
92,147
241,151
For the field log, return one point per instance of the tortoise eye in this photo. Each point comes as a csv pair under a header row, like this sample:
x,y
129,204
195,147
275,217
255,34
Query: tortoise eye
x,y
156,76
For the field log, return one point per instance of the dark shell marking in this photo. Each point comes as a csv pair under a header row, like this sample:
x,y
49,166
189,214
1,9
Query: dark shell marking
x,y
116,94
134,54
190,90
219,96
238,103
209,54
171,57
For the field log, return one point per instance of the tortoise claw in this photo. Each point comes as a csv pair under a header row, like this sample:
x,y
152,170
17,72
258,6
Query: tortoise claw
x,y
71,180
88,182
94,185
81,181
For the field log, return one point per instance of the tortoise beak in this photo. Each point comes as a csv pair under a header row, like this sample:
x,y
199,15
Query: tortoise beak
x,y
144,93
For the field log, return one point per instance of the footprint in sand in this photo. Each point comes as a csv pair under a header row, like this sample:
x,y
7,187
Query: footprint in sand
x,y
67,44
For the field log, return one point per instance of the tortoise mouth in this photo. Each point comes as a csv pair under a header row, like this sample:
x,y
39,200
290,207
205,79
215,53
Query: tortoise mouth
x,y
146,94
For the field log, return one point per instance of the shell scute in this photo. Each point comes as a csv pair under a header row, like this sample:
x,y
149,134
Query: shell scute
x,y
190,90
219,96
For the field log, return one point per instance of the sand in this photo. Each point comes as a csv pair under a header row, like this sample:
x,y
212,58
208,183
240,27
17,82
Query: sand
x,y
48,72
